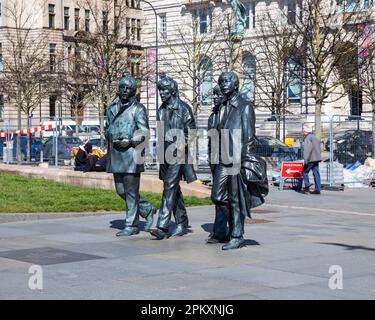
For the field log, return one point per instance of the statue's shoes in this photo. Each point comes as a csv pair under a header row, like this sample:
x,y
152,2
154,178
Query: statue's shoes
x,y
150,220
234,243
180,231
212,240
127,232
159,234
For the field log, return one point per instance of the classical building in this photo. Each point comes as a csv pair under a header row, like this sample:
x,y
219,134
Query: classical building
x,y
194,43
57,32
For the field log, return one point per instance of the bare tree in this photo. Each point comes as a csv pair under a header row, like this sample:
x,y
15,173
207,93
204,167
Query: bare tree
x,y
111,47
194,49
25,59
327,29
276,65
366,64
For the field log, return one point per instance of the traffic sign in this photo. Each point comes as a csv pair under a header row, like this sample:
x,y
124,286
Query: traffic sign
x,y
292,169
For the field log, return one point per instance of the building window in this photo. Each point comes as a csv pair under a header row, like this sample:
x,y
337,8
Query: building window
x,y
76,19
250,15
354,5
139,29
204,17
51,16
128,29
135,66
356,102
1,106
134,29
66,18
205,88
87,20
77,58
294,89
249,74
163,24
105,21
52,57
52,106
1,58
292,11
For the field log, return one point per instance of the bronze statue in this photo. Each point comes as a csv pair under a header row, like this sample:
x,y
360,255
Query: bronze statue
x,y
126,129
175,120
239,179
220,228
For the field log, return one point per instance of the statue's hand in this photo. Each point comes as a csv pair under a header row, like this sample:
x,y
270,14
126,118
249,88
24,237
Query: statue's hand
x,y
121,145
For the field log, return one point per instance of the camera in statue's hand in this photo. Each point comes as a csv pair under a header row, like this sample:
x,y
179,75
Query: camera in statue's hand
x,y
122,144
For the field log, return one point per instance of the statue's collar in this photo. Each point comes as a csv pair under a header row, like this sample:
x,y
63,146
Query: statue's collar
x,y
234,101
172,106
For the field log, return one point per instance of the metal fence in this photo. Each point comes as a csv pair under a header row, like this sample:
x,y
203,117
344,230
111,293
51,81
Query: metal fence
x,y
345,141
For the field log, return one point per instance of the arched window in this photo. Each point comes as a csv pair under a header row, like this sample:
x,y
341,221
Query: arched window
x,y
294,81
205,87
249,74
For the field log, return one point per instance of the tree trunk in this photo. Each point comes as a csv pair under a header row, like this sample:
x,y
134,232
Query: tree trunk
x,y
101,125
373,129
19,159
28,150
318,119
278,128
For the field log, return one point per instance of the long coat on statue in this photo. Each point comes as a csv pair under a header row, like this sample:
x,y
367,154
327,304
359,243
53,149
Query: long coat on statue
x,y
253,182
126,122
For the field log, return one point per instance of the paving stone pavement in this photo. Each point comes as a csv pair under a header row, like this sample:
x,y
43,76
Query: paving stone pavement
x,y
287,258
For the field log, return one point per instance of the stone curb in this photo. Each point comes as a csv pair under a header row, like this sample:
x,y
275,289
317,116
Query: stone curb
x,y
18,217
101,180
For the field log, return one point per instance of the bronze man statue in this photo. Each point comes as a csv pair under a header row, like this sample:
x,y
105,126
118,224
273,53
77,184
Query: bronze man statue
x,y
174,116
220,229
239,178
126,128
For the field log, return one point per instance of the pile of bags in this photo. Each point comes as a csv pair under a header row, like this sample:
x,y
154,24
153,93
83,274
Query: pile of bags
x,y
360,176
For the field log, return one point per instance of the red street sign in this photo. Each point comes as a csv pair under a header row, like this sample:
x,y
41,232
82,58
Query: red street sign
x,y
292,169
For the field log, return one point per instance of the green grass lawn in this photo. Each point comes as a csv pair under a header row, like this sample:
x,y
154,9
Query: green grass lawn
x,y
22,194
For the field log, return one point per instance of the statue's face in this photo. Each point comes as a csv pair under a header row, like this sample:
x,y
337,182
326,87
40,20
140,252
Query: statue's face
x,y
126,90
227,85
218,98
165,94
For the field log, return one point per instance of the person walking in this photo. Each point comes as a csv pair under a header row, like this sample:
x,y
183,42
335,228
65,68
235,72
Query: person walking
x,y
312,157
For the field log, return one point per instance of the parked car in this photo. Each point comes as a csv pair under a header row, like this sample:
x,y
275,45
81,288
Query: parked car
x,y
65,145
96,142
267,146
352,145
36,145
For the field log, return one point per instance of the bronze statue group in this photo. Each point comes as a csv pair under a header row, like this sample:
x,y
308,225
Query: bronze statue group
x,y
239,182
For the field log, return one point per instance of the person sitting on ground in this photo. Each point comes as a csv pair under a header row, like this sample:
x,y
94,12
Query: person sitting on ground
x,y
84,160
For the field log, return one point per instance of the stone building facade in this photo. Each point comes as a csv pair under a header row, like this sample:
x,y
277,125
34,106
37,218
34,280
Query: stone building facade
x,y
62,23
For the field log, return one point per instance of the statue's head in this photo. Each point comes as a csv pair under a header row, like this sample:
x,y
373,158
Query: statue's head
x,y
217,96
127,88
167,88
229,83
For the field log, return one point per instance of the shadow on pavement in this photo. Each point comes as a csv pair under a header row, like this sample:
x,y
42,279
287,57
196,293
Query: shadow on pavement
x,y
348,246
208,227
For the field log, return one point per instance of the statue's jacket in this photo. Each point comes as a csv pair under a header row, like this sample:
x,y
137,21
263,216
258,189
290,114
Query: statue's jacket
x,y
126,122
253,183
178,116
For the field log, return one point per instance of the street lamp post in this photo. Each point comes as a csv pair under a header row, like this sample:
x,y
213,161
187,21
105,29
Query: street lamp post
x,y
156,51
